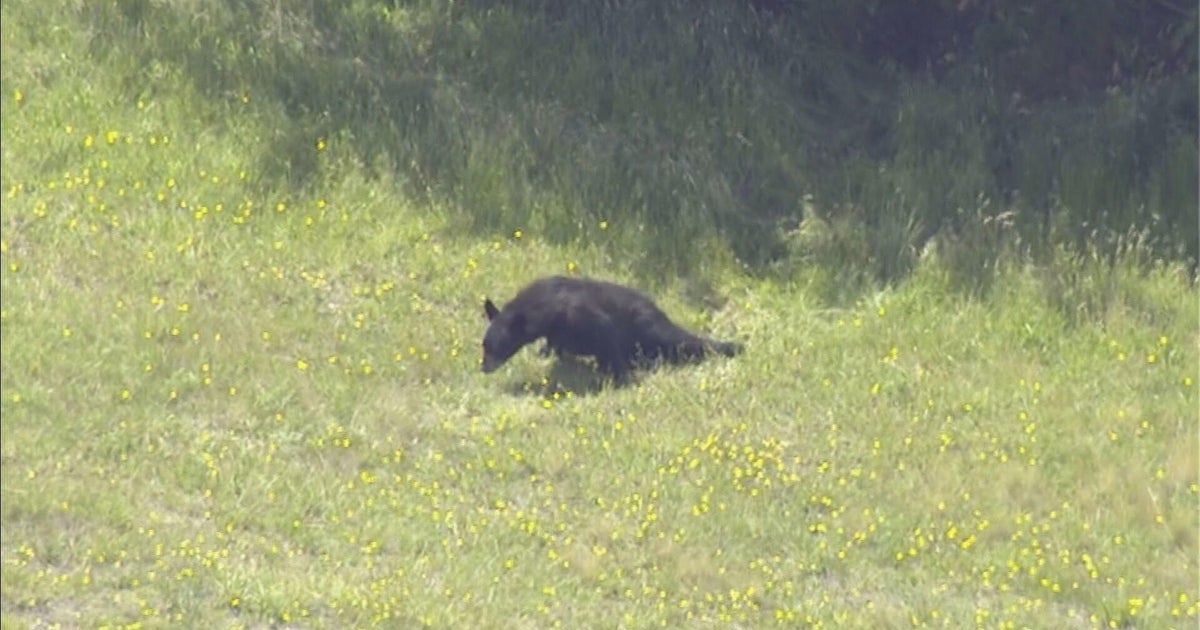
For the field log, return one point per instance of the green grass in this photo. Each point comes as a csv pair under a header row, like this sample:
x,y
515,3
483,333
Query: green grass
x,y
229,401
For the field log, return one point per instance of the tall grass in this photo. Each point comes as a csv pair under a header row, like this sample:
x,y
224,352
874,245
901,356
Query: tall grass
x,y
683,126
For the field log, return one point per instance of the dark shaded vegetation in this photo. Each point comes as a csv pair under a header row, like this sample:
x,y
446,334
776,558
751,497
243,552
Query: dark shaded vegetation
x,y
795,133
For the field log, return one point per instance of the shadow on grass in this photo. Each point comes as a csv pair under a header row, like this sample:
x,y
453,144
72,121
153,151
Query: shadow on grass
x,y
570,374
681,124
444,100
580,377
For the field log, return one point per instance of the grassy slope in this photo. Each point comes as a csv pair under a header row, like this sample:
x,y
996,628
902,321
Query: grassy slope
x,y
227,404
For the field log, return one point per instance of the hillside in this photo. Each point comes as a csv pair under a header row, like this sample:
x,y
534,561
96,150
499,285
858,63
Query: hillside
x,y
244,255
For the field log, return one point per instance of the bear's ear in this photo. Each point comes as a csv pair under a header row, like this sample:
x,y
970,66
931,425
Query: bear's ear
x,y
490,309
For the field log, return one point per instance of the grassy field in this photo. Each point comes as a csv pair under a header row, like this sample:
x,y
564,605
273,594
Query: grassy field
x,y
233,402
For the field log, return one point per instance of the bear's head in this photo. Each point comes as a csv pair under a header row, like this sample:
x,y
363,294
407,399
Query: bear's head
x,y
505,335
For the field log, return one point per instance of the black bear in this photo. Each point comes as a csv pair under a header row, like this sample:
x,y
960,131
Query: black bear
x,y
617,325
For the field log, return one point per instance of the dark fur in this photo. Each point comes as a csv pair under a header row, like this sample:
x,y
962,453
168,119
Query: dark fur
x,y
617,325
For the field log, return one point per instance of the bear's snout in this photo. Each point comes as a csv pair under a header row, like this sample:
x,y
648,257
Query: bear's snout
x,y
490,364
